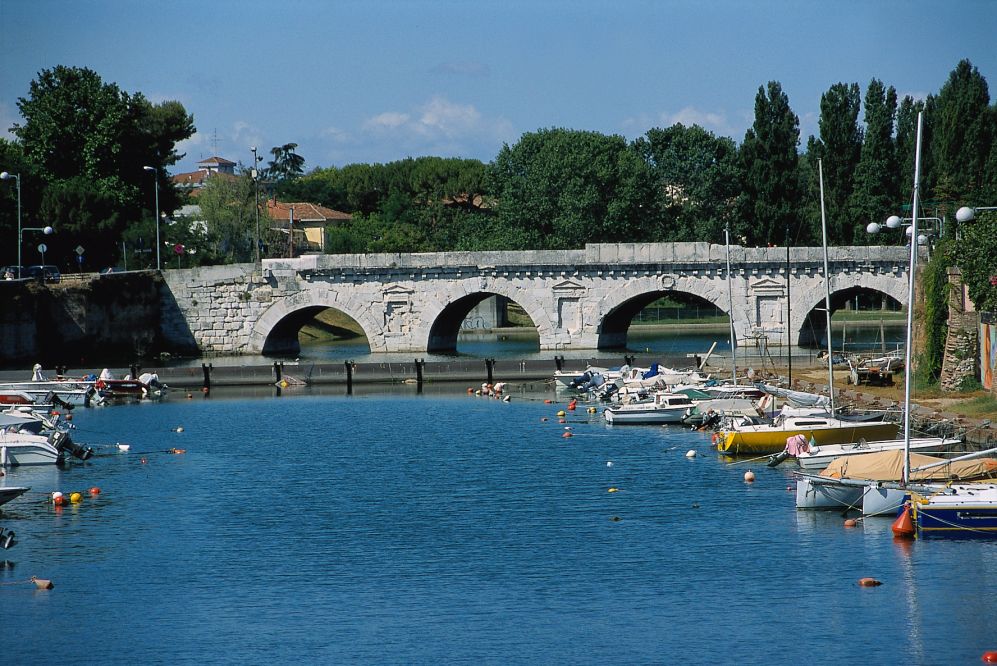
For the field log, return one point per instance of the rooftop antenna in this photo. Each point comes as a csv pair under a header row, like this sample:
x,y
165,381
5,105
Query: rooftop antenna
x,y
214,142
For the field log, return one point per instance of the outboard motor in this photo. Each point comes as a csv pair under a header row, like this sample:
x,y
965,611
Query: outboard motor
x,y
63,442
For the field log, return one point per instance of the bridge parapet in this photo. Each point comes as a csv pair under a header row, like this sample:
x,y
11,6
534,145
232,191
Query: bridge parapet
x,y
578,299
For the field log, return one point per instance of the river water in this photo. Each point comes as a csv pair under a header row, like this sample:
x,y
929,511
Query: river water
x,y
670,345
445,528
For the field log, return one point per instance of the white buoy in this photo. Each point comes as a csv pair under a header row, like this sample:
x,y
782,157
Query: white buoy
x,y
124,447
691,453
609,463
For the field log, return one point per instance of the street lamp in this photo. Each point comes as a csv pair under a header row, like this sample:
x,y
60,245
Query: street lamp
x,y
17,182
155,174
964,214
48,231
895,222
256,189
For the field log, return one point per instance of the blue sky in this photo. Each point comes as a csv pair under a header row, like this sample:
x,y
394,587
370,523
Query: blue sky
x,y
380,80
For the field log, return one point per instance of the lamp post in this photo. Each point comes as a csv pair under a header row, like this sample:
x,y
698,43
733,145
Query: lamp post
x,y
17,182
48,231
964,214
895,222
155,174
256,190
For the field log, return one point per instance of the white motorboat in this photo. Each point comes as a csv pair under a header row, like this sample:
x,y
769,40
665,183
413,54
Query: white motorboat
x,y
663,408
68,392
27,439
7,493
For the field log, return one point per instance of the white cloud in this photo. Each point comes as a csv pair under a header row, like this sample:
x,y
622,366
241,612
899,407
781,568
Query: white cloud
x,y
716,122
386,121
439,118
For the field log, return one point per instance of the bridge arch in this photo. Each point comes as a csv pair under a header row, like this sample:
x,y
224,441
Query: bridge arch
x,y
443,317
620,306
842,285
276,328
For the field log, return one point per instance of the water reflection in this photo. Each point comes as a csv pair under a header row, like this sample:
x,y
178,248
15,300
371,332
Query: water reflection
x,y
671,345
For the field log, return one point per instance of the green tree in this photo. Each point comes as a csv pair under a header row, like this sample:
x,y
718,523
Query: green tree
x,y
87,142
695,176
977,257
286,164
962,132
876,193
561,188
228,211
838,148
769,164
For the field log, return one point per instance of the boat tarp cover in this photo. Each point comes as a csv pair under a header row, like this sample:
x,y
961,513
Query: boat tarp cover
x,y
797,398
889,465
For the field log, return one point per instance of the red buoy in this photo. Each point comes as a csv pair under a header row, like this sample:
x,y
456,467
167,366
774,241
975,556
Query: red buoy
x,y
903,526
95,491
990,657
567,434
850,522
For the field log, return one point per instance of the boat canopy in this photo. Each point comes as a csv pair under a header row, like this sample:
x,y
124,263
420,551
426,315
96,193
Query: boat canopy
x,y
796,398
889,465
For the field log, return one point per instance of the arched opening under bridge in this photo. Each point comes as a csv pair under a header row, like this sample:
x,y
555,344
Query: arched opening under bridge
x,y
483,324
666,322
862,320
317,332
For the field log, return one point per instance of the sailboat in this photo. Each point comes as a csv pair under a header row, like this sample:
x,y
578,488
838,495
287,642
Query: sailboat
x,y
821,424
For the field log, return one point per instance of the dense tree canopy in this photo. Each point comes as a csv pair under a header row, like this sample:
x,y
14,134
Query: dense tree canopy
x,y
769,168
84,144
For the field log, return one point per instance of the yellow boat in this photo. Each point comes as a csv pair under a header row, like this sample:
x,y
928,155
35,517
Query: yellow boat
x,y
751,438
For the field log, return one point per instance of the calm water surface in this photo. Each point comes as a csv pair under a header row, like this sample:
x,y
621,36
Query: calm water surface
x,y
451,529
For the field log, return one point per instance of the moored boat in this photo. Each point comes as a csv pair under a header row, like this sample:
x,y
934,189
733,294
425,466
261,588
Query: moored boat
x,y
756,437
663,408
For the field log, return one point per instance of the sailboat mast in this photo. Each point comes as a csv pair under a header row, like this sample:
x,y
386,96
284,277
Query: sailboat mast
x,y
730,300
910,301
827,286
789,331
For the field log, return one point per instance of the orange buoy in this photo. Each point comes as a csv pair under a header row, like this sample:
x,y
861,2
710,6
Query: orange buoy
x,y
58,499
567,434
850,522
95,491
869,582
42,583
903,526
69,417
561,421
548,401
990,657
177,451
749,477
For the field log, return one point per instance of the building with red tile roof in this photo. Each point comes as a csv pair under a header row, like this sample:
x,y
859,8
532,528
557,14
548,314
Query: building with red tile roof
x,y
309,221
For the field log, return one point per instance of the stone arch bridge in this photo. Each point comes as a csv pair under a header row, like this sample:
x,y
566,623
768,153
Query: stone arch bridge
x,y
578,299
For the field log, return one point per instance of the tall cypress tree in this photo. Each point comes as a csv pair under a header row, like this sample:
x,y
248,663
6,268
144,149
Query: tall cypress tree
x,y
962,133
876,193
839,147
769,164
